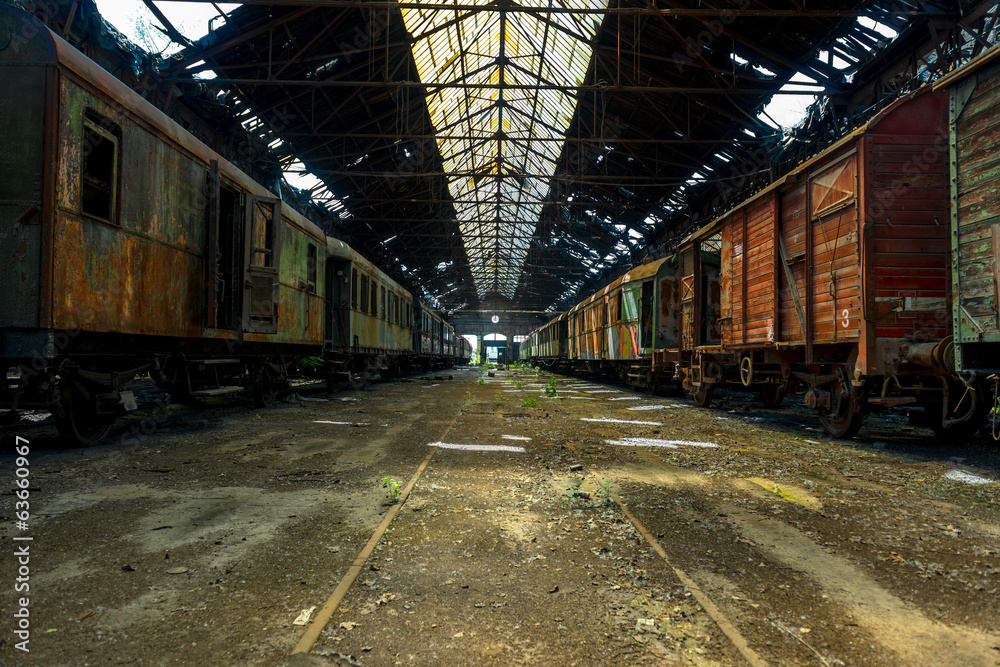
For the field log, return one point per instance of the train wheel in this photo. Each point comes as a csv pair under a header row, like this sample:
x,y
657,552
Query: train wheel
x,y
702,395
772,396
265,390
76,422
846,421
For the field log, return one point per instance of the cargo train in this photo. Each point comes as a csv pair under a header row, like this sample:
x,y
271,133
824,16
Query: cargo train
x,y
865,277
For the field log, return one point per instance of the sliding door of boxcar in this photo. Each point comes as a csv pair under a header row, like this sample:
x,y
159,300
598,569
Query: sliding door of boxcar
x,y
835,308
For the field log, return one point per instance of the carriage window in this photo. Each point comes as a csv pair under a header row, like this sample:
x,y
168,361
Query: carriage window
x,y
382,312
373,309
354,289
311,268
833,187
364,294
99,168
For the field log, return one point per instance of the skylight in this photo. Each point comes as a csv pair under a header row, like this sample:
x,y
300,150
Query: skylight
x,y
497,174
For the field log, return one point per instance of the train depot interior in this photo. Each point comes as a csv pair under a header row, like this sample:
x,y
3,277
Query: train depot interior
x,y
500,332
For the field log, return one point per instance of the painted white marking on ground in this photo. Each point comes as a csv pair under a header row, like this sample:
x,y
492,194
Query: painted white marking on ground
x,y
478,448
654,407
342,423
619,421
604,391
966,477
626,398
515,437
655,442
582,398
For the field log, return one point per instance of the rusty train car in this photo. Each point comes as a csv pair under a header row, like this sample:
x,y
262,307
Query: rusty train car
x,y
130,247
836,279
632,329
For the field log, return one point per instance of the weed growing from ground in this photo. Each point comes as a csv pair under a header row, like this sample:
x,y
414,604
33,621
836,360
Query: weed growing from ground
x,y
607,490
391,487
529,402
552,387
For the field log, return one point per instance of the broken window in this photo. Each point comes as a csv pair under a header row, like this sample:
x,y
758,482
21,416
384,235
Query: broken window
x,y
262,234
99,167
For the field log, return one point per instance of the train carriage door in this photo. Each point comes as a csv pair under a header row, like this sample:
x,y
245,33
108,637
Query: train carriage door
x,y
646,322
223,255
339,291
260,297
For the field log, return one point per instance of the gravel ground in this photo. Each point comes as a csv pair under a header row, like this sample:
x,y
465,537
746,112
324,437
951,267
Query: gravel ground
x,y
198,535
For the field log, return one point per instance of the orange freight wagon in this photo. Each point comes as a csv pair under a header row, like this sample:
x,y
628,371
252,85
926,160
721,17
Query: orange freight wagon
x,y
835,278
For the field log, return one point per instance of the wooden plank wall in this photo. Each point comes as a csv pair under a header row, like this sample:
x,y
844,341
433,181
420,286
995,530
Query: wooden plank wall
x,y
978,151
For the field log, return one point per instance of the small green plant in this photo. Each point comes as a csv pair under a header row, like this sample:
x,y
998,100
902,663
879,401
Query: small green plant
x,y
529,402
577,493
552,387
498,400
607,490
391,487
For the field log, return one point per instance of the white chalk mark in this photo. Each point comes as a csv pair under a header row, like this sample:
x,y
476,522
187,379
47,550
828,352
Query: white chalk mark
x,y
342,423
603,391
626,398
635,408
582,398
966,477
478,448
654,442
619,421
515,437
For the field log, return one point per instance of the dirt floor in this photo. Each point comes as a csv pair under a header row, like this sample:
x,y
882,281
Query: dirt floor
x,y
200,535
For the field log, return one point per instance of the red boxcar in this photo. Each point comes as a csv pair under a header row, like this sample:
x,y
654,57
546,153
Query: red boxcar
x,y
835,278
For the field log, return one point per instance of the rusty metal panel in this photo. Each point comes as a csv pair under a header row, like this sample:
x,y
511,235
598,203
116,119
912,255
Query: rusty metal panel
x,y
21,164
112,281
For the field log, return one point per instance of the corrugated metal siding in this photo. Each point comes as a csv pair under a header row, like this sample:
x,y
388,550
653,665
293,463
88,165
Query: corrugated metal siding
x,y
908,208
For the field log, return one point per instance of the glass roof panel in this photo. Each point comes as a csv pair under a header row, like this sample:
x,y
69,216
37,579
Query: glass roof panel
x,y
497,174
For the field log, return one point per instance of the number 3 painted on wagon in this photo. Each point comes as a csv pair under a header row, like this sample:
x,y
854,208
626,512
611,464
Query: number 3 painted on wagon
x,y
846,322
